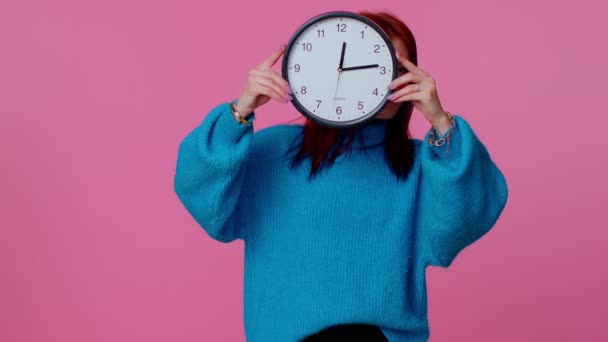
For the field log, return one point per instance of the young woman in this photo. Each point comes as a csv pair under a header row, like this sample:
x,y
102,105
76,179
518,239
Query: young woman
x,y
340,224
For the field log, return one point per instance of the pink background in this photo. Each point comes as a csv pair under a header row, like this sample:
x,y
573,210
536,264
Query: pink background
x,y
96,96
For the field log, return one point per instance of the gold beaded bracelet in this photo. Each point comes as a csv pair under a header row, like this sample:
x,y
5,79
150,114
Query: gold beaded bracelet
x,y
446,137
236,115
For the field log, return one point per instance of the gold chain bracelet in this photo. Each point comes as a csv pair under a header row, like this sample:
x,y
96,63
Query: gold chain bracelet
x,y
446,138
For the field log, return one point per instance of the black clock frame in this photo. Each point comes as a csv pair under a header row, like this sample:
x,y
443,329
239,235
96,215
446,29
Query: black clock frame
x,y
285,67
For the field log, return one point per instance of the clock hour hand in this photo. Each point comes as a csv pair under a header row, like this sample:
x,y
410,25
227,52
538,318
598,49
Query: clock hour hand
x,y
360,67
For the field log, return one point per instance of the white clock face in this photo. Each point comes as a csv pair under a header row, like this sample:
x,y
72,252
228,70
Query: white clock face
x,y
334,96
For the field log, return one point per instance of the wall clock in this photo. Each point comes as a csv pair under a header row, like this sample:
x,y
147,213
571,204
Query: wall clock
x,y
339,65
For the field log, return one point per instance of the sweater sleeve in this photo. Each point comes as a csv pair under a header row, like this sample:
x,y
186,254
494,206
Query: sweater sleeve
x,y
211,171
463,193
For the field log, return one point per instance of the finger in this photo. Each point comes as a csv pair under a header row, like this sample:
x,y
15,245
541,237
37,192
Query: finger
x,y
266,91
408,64
417,96
401,80
269,62
412,88
269,82
268,88
275,77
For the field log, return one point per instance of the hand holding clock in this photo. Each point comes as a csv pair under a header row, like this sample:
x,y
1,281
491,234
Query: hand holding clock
x,y
262,85
422,92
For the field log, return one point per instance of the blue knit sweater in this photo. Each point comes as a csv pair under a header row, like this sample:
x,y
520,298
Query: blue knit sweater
x,y
352,244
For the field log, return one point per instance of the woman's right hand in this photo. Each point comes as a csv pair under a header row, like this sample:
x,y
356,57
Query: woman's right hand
x,y
262,85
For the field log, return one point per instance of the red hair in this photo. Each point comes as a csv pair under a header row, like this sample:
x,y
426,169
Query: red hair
x,y
324,144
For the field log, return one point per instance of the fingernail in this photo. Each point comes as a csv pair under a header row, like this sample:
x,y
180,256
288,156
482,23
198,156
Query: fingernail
x,y
288,88
288,97
397,53
391,96
390,86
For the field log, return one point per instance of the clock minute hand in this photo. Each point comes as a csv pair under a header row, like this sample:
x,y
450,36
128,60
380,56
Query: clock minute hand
x,y
360,67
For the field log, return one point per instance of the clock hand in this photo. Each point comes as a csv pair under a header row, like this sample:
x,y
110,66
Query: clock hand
x,y
336,92
342,57
340,68
360,67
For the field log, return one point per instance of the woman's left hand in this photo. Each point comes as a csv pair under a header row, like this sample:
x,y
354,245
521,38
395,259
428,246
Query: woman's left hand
x,y
422,92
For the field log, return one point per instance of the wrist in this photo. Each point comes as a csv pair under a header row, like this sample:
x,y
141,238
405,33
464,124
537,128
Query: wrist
x,y
244,112
236,115
442,124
